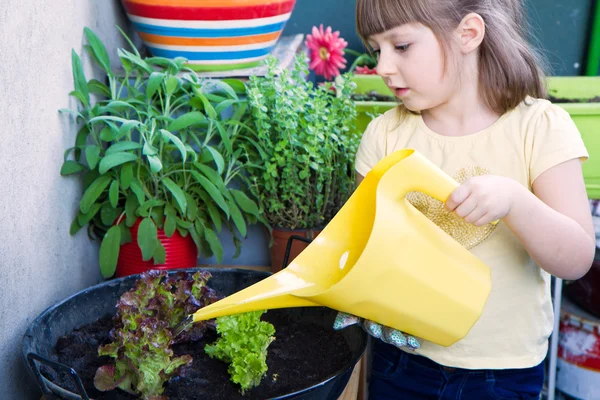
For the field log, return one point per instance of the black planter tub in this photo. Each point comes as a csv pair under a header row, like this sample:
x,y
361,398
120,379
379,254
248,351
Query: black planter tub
x,y
94,303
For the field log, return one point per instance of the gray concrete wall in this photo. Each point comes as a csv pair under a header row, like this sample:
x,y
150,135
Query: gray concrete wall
x,y
40,263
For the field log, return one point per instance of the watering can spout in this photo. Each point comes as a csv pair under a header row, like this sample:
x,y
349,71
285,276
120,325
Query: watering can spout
x,y
270,293
379,258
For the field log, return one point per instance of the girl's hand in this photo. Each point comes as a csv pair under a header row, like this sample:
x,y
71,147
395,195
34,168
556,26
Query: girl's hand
x,y
483,199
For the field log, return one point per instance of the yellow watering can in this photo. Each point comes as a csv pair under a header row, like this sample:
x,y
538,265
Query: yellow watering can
x,y
381,259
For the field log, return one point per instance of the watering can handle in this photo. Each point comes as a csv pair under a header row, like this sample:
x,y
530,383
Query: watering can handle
x,y
410,171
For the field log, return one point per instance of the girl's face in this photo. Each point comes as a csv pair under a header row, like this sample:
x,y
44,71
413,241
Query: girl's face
x,y
411,61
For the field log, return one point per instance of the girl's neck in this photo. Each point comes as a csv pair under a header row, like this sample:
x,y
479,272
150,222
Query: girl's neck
x,y
463,114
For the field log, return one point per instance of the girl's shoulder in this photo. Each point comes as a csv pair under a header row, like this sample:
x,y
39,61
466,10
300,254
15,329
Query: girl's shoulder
x,y
534,112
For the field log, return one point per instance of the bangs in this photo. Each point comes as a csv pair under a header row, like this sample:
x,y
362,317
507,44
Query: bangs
x,y
377,16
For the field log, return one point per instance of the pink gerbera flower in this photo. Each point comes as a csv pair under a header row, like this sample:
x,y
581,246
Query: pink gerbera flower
x,y
326,52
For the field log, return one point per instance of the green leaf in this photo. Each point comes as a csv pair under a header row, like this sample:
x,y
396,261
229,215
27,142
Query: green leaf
x,y
147,238
75,227
131,205
170,225
126,128
144,209
244,202
160,254
224,136
105,118
154,82
98,87
212,191
115,159
92,155
92,193
155,164
125,234
122,146
186,120
81,139
171,85
149,150
214,243
135,60
237,217
109,251
218,159
177,193
215,216
108,134
192,208
98,49
79,79
176,141
128,40
113,193
210,110
108,214
136,187
71,167
84,219
211,174
126,176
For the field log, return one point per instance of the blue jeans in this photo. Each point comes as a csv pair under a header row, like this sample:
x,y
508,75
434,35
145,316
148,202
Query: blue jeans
x,y
398,375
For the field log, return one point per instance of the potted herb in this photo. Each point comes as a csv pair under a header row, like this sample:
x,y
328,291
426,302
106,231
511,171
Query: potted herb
x,y
129,351
159,158
301,152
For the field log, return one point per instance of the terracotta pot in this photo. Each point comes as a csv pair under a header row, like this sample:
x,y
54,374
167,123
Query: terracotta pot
x,y
586,291
181,253
212,34
280,241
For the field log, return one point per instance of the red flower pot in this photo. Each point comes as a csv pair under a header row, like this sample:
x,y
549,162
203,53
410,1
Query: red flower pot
x,y
181,252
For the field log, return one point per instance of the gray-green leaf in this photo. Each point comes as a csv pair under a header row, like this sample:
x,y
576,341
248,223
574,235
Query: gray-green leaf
x,y
112,160
70,167
177,193
93,192
186,120
113,193
109,251
147,238
92,155
98,49
244,202
214,243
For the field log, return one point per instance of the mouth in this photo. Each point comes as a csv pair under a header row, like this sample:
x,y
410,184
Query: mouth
x,y
400,92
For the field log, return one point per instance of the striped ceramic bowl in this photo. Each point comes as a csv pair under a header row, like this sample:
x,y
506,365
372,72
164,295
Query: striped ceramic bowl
x,y
214,35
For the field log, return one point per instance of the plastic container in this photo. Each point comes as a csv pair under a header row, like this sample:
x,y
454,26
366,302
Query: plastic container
x,y
95,302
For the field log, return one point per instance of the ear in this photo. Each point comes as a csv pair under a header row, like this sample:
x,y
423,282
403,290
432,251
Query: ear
x,y
470,32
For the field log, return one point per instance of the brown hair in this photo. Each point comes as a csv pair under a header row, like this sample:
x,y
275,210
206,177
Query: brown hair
x,y
509,69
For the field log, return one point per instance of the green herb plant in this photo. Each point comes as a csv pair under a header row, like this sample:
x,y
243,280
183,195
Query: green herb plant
x,y
142,339
243,343
301,153
160,145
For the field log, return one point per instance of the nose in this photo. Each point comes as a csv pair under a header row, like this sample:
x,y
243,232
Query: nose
x,y
385,64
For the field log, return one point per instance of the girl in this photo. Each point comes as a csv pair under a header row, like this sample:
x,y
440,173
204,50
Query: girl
x,y
472,101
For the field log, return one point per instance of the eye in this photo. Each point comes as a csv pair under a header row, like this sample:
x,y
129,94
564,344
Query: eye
x,y
403,47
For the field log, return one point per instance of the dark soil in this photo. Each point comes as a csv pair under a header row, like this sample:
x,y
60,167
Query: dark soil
x,y
301,356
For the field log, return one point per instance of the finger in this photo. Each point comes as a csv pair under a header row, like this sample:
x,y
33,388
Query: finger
x,y
485,219
467,207
459,195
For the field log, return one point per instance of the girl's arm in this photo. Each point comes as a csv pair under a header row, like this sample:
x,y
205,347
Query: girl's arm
x,y
554,223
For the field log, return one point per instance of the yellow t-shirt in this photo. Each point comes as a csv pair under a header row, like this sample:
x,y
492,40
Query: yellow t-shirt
x,y
518,317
